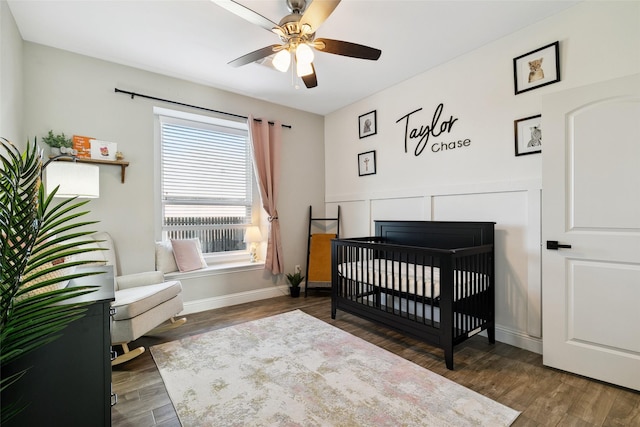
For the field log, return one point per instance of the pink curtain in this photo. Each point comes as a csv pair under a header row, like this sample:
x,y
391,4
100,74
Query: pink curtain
x,y
267,142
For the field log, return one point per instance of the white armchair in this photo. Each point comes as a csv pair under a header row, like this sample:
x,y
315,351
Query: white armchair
x,y
143,301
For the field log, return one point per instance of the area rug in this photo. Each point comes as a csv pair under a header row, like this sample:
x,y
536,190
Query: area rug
x,y
295,370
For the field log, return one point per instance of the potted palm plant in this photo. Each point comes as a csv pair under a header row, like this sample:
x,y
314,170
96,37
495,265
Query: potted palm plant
x,y
35,235
294,281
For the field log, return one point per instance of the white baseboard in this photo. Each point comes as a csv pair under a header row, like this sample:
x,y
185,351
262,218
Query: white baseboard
x,y
233,299
518,339
504,335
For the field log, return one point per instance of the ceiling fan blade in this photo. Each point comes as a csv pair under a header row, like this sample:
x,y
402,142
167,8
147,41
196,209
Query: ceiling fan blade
x,y
247,14
318,12
343,48
310,80
255,55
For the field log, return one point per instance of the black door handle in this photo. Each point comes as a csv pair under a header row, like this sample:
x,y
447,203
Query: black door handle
x,y
554,245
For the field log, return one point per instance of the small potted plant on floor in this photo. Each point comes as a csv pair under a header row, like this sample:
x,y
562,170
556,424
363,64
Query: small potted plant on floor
x,y
59,143
294,282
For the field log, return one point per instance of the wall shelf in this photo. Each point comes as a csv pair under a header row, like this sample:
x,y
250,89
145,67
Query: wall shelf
x,y
120,163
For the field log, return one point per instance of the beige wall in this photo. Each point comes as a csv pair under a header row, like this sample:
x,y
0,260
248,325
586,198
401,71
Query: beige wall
x,y
484,181
11,83
74,94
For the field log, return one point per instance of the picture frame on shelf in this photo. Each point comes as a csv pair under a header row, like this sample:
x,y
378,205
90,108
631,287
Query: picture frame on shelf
x,y
367,163
367,125
540,67
528,135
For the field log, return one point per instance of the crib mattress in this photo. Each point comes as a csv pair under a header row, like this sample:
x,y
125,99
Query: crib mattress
x,y
420,280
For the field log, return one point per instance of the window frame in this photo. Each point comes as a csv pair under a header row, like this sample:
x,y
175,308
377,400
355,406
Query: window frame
x,y
212,258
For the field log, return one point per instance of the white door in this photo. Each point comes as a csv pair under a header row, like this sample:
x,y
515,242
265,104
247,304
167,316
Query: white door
x,y
591,202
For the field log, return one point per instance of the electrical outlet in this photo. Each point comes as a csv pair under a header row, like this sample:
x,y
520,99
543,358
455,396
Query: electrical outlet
x,y
298,270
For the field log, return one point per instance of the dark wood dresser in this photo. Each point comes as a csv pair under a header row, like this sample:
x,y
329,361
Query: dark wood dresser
x,y
69,382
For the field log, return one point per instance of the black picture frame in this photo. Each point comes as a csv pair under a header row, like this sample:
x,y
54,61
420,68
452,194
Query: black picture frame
x,y
528,135
367,163
547,72
367,124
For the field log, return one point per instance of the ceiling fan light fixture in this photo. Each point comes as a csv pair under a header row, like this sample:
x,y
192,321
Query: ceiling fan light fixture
x,y
278,31
304,69
304,54
282,60
305,29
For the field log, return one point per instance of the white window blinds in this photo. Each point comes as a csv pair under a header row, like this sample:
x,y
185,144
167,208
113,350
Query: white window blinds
x,y
206,181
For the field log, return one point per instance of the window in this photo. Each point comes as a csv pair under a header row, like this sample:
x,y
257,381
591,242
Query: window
x,y
206,180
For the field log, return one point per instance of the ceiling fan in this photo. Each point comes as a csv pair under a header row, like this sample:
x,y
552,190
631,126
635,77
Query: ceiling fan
x,y
297,32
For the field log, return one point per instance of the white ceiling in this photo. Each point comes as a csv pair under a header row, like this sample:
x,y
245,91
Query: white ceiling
x,y
195,39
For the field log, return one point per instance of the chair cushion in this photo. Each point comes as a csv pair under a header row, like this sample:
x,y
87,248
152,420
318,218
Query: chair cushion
x,y
139,279
132,302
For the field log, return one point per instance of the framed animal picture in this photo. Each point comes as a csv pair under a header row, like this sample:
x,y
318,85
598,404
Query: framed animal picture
x,y
528,135
537,68
367,124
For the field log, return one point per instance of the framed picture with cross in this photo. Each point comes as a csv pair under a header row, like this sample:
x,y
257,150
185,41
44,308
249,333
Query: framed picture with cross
x,y
367,163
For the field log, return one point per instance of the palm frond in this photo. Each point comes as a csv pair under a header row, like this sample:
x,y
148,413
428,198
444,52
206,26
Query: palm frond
x,y
35,232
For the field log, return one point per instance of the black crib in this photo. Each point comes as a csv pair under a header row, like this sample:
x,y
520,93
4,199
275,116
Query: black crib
x,y
433,280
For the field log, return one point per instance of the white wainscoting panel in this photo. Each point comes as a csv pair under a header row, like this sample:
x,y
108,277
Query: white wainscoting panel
x,y
514,207
354,221
509,211
407,209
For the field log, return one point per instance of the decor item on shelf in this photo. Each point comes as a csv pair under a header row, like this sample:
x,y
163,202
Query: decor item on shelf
x,y
73,179
119,155
528,135
537,68
58,143
367,124
253,237
103,150
82,145
367,163
37,254
294,280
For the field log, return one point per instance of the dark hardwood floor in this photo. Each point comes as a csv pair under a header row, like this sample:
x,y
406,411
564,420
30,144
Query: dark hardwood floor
x,y
509,375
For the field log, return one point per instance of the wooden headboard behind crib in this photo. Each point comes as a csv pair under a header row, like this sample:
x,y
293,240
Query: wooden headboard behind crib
x,y
436,234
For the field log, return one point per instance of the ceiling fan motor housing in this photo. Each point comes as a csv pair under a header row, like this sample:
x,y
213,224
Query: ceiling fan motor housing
x,y
292,33
296,6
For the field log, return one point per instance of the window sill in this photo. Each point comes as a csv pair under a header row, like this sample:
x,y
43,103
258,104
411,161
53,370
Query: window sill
x,y
221,268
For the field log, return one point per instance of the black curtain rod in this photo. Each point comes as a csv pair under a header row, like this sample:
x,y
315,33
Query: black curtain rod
x,y
133,94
